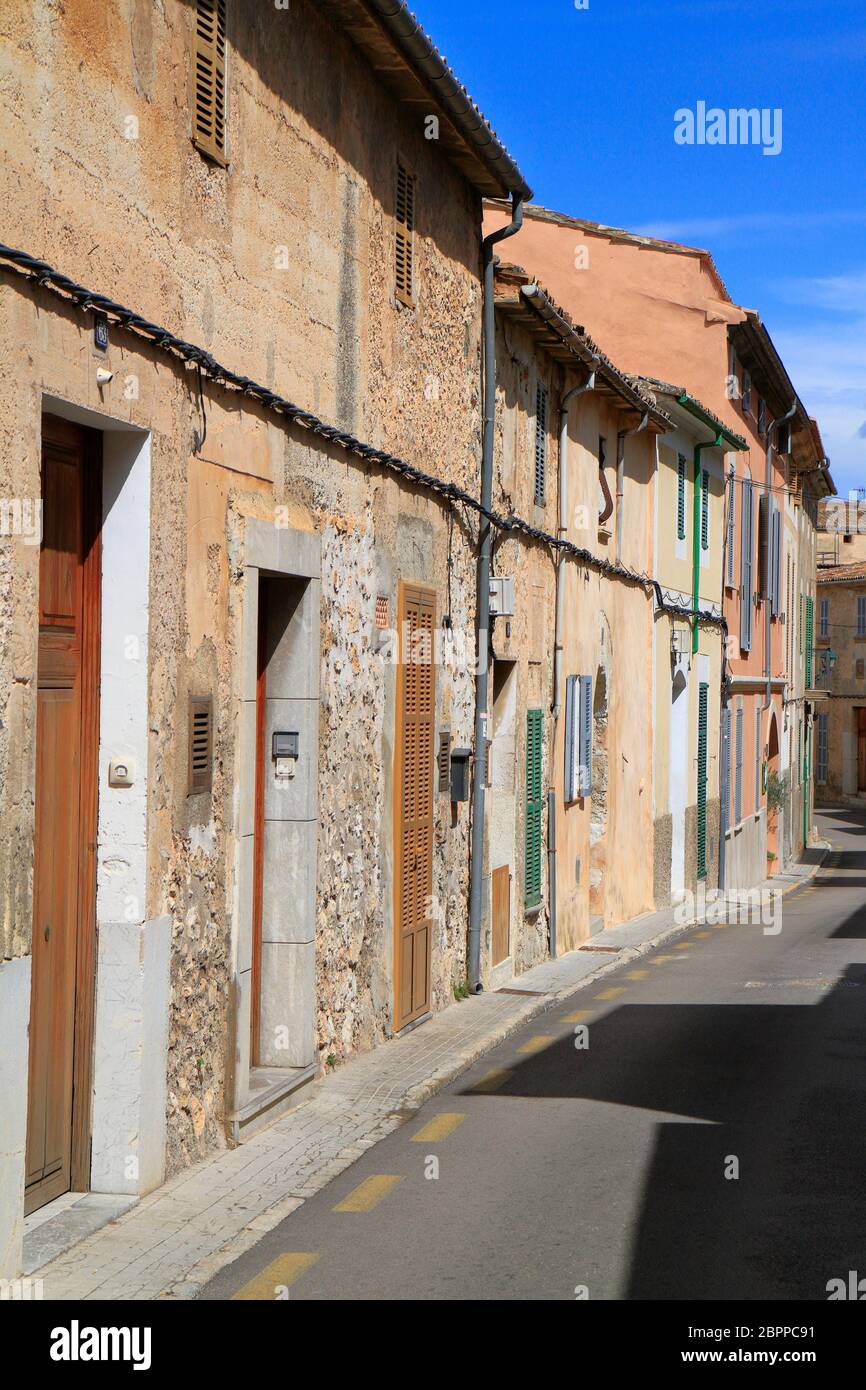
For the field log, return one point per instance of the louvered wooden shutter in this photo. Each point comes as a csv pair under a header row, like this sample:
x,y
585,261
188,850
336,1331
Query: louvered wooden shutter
x,y
532,847
681,497
725,770
738,768
585,745
732,528
540,445
209,79
776,546
416,746
809,640
200,735
405,237
703,701
572,738
746,571
705,510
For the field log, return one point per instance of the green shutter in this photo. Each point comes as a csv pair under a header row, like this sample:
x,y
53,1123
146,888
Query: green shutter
x,y
810,605
532,850
681,497
703,697
705,510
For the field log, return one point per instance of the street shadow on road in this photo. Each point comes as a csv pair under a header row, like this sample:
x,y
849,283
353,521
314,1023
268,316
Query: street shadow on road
x,y
775,1092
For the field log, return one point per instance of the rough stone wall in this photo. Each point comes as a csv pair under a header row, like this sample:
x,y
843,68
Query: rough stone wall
x,y
314,142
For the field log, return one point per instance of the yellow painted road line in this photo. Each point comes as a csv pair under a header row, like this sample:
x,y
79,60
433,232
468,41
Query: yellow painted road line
x,y
662,960
702,935
438,1128
578,1016
612,992
683,946
280,1274
637,974
537,1044
369,1194
493,1080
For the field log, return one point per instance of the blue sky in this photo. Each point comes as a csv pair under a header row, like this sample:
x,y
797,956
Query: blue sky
x,y
585,101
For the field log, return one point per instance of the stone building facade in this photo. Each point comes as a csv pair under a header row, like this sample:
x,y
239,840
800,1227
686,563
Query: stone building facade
x,y
277,611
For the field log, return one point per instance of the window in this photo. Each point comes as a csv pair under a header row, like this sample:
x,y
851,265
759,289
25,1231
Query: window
x,y
732,528
532,833
540,444
747,391
859,668
681,497
578,737
762,416
746,571
824,618
209,79
705,509
822,752
733,385
404,246
861,615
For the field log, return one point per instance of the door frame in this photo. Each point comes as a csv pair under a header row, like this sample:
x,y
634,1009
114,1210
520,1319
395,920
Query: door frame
x,y
64,434
404,588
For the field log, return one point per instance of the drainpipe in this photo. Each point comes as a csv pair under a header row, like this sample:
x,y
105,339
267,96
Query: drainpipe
x,y
768,546
476,854
589,385
620,478
696,535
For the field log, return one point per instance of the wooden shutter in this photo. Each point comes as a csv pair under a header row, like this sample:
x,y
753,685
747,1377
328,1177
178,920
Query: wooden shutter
x,y
705,510
414,805
585,744
746,570
405,237
732,527
725,771
572,738
776,554
532,837
209,79
200,748
809,640
681,497
738,768
703,699
540,445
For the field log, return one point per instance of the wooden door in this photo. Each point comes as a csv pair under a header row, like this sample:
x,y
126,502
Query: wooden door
x,y
861,750
64,870
500,891
413,804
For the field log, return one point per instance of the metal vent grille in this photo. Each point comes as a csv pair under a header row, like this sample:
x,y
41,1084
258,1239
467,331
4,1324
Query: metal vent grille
x,y
540,444
405,238
209,79
200,744
383,611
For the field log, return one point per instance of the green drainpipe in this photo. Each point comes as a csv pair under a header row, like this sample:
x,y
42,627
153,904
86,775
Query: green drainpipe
x,y
696,534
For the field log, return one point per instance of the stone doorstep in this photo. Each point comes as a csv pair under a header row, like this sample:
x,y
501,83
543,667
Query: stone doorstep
x,y
281,1092
351,1111
64,1223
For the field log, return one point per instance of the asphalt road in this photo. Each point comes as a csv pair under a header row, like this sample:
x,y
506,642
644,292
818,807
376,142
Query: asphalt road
x,y
609,1168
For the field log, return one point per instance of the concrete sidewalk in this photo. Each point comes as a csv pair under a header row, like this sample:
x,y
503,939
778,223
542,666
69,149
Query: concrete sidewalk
x,y
173,1241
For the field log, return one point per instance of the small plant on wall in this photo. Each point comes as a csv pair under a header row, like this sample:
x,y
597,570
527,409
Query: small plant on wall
x,y
777,793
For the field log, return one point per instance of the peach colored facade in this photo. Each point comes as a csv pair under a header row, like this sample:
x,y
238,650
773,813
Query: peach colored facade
x,y
662,311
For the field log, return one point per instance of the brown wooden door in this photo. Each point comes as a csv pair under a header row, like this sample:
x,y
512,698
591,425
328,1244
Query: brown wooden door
x,y
861,750
414,804
500,889
64,883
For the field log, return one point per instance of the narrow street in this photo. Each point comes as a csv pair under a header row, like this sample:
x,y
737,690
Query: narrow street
x,y
607,1168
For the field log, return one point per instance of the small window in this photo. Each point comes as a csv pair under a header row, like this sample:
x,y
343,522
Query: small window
x,y
705,509
860,665
540,444
824,618
747,391
209,79
861,615
681,497
405,237
200,734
